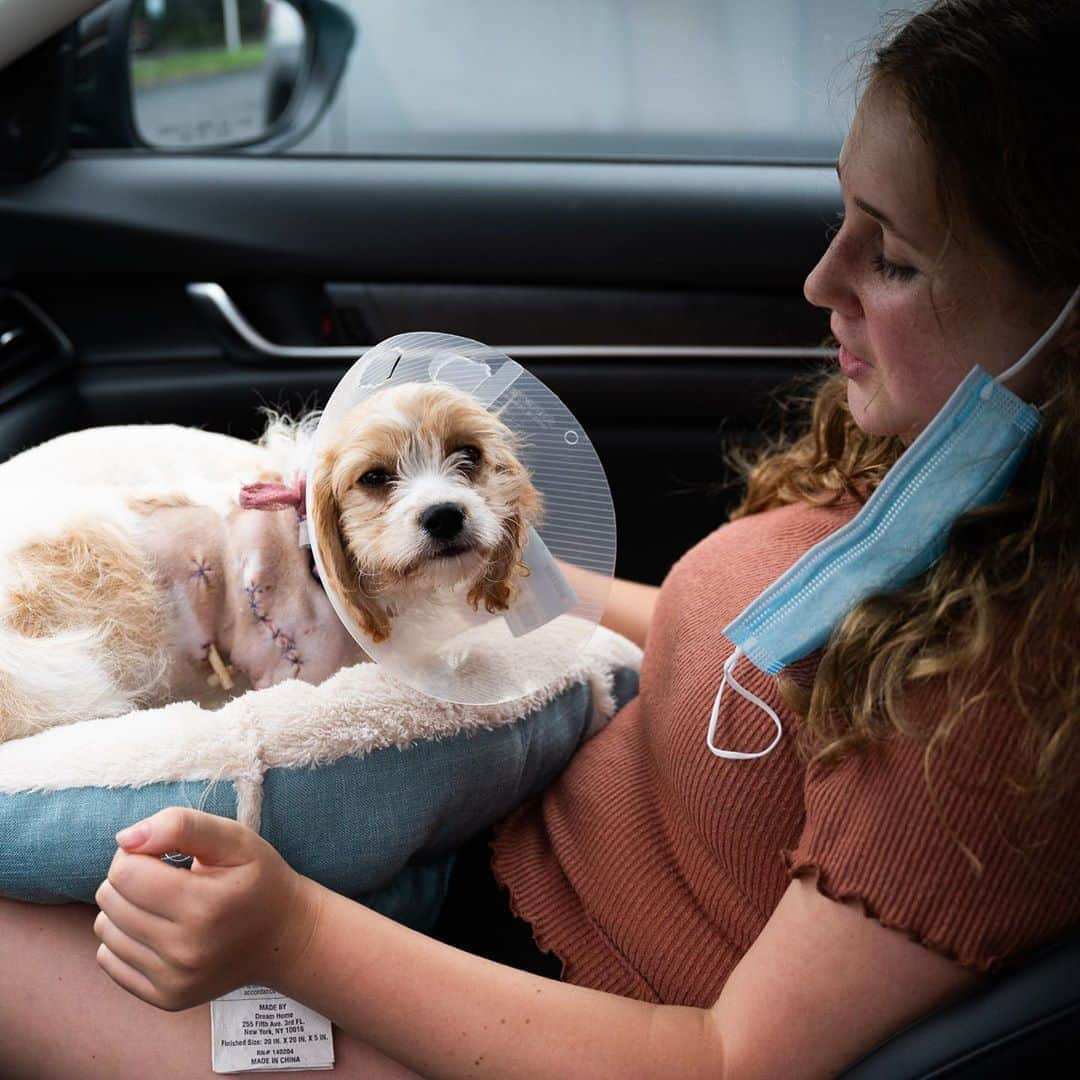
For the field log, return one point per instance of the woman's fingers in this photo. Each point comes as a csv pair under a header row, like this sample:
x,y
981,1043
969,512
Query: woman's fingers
x,y
127,947
134,944
138,924
192,934
155,959
128,978
149,885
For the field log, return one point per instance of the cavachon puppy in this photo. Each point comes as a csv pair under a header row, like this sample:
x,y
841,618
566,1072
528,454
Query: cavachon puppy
x,y
419,491
143,564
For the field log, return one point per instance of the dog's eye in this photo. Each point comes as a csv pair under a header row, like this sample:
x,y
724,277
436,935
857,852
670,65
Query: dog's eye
x,y
468,457
375,478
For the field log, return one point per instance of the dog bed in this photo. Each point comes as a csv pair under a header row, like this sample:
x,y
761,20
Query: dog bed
x,y
360,782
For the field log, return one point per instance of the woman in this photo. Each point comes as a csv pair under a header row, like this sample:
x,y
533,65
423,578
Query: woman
x,y
932,833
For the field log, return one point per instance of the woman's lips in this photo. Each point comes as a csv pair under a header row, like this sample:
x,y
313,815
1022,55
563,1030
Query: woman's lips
x,y
851,365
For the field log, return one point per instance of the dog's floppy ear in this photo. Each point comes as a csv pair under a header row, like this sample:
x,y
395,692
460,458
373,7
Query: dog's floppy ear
x,y
495,586
345,578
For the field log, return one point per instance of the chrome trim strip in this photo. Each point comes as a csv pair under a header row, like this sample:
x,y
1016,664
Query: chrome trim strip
x,y
216,302
645,352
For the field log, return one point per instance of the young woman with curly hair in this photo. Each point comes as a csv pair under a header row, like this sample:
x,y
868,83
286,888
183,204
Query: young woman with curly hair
x,y
918,823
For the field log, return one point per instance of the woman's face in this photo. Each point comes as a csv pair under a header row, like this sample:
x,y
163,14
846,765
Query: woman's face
x,y
913,308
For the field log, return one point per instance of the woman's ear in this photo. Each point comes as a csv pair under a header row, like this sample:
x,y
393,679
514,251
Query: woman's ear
x,y
345,577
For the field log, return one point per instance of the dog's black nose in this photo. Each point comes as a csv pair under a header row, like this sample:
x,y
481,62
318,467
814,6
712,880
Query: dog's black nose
x,y
443,521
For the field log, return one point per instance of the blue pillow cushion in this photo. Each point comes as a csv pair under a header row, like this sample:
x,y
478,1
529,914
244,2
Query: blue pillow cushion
x,y
379,826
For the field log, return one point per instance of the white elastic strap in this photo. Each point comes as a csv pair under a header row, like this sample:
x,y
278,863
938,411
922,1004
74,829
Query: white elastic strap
x,y
1055,326
738,755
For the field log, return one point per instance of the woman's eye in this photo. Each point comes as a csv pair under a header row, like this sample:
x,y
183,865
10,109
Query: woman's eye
x,y
893,271
375,478
468,457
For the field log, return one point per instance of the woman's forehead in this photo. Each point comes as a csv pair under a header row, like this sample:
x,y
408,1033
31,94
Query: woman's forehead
x,y
886,163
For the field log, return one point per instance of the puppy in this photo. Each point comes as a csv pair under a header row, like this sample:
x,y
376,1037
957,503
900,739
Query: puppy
x,y
132,573
420,495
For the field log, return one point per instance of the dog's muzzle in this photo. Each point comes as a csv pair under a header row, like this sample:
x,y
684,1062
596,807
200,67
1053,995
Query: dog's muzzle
x,y
443,521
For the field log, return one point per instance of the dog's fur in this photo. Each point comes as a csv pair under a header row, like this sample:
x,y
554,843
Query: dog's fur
x,y
429,446
96,543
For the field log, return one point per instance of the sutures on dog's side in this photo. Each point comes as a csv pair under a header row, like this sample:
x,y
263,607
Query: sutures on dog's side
x,y
162,586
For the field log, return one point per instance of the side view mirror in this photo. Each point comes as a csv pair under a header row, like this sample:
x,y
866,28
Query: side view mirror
x,y
196,75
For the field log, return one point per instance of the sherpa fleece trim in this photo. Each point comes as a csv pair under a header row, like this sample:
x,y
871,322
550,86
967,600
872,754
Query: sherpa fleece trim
x,y
356,711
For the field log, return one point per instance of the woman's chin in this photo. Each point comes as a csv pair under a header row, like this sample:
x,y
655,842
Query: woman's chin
x,y
871,409
877,414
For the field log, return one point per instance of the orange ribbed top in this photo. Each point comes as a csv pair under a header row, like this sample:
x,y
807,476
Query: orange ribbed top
x,y
651,865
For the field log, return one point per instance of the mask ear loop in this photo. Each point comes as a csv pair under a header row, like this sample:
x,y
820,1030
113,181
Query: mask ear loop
x,y
729,677
1039,345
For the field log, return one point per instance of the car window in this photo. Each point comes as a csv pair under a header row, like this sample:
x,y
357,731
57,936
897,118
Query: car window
x,y
744,80
688,80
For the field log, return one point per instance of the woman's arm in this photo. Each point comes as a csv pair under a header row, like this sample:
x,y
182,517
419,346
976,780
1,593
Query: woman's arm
x,y
630,609
822,984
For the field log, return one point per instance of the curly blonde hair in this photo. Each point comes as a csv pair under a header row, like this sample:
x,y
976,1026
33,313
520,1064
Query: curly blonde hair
x,y
1006,592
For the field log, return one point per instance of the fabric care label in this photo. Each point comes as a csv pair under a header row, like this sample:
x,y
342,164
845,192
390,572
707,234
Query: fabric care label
x,y
256,1029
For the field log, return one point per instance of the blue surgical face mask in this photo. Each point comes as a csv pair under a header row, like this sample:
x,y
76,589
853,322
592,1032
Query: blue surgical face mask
x,y
963,459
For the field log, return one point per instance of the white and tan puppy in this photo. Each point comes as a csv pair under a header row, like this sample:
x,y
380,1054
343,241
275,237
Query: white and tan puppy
x,y
419,490
131,575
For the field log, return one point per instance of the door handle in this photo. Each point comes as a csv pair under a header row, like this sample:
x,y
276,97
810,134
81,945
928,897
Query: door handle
x,y
244,342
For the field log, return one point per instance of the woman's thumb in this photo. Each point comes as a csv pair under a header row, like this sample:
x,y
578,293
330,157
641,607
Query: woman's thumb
x,y
213,840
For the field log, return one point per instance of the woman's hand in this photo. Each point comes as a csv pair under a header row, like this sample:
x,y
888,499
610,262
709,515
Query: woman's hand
x,y
177,938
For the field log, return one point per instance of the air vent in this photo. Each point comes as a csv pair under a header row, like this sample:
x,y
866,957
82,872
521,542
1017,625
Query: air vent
x,y
30,342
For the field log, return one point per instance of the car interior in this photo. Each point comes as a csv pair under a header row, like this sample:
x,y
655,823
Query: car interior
x,y
659,297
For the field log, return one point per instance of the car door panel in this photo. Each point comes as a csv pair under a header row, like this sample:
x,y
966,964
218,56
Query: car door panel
x,y
675,225
660,300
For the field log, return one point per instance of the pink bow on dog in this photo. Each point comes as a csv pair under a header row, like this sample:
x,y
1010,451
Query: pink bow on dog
x,y
267,495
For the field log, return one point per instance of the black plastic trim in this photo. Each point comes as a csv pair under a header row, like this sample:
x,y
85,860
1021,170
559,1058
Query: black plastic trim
x,y
35,99
687,226
38,352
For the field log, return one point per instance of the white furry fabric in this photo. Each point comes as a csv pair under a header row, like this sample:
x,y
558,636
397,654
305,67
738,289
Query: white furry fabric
x,y
356,711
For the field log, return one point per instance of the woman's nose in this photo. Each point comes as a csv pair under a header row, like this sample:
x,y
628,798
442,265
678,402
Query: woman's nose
x,y
829,284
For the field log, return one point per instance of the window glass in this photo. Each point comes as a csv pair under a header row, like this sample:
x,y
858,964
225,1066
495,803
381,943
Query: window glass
x,y
207,73
715,80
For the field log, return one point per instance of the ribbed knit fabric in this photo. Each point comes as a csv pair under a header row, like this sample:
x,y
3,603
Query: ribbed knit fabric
x,y
651,866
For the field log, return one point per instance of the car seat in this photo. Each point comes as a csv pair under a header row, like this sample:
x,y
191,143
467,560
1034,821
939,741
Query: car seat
x,y
1026,1019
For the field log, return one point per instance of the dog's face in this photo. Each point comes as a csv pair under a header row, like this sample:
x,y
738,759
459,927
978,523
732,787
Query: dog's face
x,y
420,487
